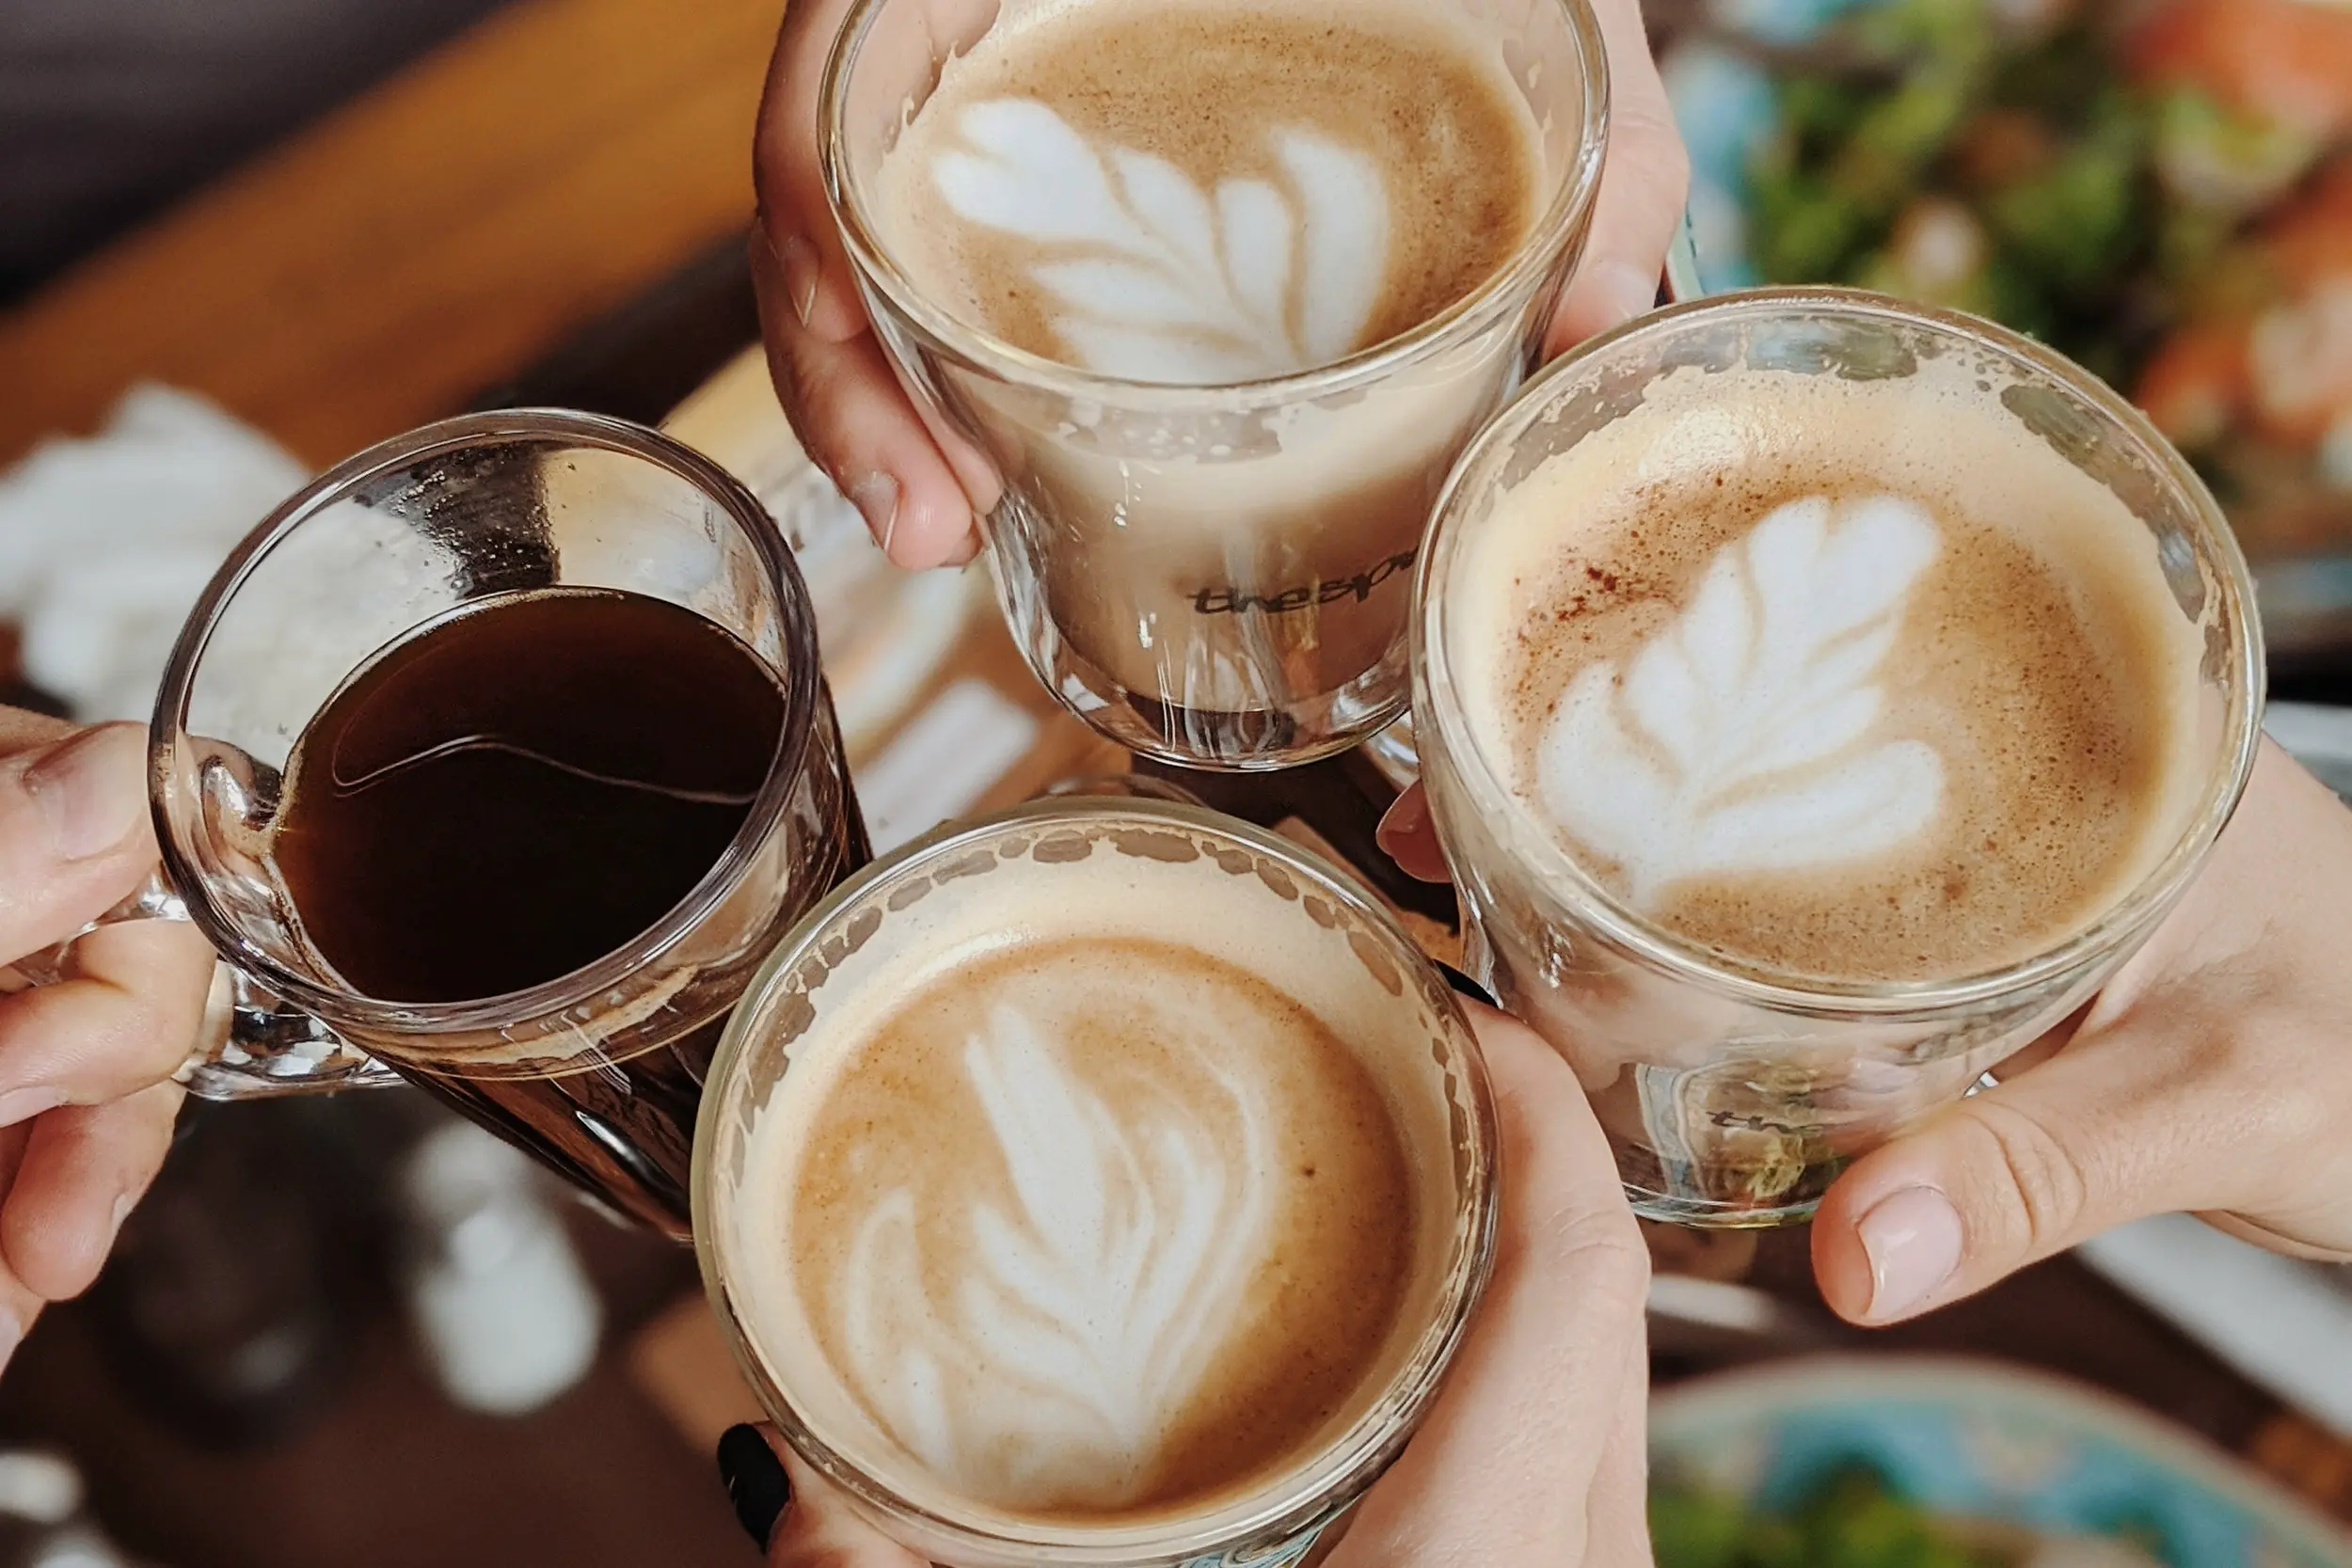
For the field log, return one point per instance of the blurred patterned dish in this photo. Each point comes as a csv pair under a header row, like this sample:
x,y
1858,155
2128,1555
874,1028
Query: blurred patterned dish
x,y
1869,1462
2162,189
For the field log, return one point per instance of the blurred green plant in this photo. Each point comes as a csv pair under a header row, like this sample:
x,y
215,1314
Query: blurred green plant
x,y
2070,208
1853,1520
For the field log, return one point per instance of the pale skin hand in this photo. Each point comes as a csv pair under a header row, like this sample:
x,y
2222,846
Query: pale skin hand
x,y
1534,1452
86,1099
2212,1075
919,486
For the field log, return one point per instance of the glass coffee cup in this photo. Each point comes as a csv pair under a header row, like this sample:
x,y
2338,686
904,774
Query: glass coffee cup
x,y
596,1072
1732,1088
1216,575
989,1208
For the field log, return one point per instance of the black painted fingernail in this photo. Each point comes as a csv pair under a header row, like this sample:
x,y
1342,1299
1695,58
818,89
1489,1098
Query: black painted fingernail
x,y
1466,986
756,1481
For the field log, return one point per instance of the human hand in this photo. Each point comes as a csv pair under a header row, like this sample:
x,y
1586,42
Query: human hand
x,y
86,1099
2212,1075
1409,836
919,485
1536,1448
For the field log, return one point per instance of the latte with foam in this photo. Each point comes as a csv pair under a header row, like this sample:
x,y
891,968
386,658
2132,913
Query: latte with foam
x,y
1855,679
1213,192
1092,1223
1117,1177
1207,553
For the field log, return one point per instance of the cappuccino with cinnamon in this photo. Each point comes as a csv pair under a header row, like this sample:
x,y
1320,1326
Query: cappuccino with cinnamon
x,y
1847,679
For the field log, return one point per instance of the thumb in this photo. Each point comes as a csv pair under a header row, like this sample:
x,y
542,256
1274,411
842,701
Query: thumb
x,y
76,837
1513,1463
1409,834
1643,184
2093,1137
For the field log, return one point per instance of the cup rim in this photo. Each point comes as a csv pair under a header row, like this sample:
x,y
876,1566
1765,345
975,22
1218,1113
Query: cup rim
x,y
1758,984
1364,1449
974,349
800,679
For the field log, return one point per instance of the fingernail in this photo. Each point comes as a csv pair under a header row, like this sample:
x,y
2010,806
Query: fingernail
x,y
1466,986
1913,1241
1623,291
124,1202
756,1481
1405,820
91,790
11,1334
25,1104
803,272
876,496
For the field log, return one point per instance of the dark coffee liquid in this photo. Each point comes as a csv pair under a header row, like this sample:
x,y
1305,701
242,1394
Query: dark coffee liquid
x,y
522,790
515,792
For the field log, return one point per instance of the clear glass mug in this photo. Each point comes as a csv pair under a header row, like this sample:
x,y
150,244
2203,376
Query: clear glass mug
x,y
1731,1095
1215,576
1392,750
853,939
598,1073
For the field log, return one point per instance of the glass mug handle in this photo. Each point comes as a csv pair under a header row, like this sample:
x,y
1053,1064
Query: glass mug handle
x,y
252,1044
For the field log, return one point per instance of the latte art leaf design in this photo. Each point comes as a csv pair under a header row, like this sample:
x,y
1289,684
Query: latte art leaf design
x,y
1160,280
1743,737
1089,1292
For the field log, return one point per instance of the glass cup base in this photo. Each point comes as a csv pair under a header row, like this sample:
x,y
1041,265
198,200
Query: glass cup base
x,y
1393,753
1219,740
1703,1215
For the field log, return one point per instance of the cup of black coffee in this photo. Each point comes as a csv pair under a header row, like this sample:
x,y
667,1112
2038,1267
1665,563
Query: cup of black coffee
x,y
496,760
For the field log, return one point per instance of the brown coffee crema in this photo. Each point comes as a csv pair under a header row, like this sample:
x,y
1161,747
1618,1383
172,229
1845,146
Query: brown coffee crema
x,y
1133,1213
1851,679
1102,1190
1211,192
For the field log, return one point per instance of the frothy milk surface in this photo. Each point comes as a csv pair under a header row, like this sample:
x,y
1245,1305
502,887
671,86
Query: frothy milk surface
x,y
1079,1218
1214,191
1852,679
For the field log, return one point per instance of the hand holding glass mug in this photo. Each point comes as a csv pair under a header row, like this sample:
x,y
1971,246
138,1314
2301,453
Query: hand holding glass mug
x,y
2207,1077
86,1099
1789,833
1197,341
494,759
1110,1183
1102,1181
921,485
2211,1075
1534,1450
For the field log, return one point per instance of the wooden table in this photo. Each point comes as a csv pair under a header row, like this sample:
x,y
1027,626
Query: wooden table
x,y
463,227
455,224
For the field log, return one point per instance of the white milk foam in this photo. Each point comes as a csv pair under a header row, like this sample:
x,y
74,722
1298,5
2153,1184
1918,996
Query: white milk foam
x,y
1743,735
1213,192
1027,1201
1170,282
1083,1297
1844,677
